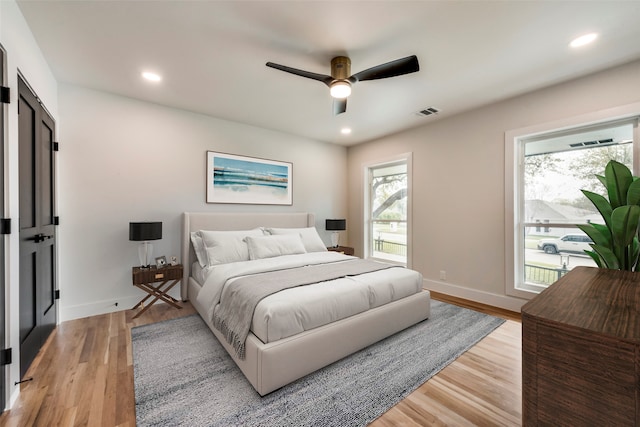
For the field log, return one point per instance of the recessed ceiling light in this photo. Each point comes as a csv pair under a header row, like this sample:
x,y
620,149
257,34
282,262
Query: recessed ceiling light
x,y
152,77
584,40
345,131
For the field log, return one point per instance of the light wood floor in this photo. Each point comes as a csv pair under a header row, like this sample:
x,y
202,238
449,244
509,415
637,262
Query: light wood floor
x,y
83,376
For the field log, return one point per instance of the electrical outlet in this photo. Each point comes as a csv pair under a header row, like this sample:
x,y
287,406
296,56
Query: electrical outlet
x,y
443,275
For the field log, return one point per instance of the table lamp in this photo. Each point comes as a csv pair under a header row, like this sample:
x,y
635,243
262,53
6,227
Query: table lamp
x,y
335,225
144,232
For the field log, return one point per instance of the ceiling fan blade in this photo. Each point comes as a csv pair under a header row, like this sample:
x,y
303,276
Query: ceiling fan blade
x,y
390,69
315,76
339,106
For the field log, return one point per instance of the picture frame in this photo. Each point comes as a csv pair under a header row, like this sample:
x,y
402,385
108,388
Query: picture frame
x,y
239,179
161,261
174,260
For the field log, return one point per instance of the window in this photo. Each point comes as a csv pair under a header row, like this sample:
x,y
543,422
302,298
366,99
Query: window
x,y
387,207
549,170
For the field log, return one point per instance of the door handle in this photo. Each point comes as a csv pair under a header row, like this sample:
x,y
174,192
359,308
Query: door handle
x,y
37,238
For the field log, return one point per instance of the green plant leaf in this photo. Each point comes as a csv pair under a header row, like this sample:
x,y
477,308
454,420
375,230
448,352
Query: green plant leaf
x,y
635,252
608,258
600,234
618,178
616,244
624,222
595,257
633,193
605,231
602,204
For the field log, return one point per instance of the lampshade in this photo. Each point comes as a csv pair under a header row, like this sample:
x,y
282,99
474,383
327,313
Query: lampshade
x,y
144,231
340,89
336,224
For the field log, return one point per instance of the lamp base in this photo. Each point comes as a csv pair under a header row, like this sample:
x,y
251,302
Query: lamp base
x,y
335,238
145,252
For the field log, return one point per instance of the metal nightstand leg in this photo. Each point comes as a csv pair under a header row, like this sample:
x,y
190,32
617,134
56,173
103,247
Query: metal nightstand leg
x,y
158,293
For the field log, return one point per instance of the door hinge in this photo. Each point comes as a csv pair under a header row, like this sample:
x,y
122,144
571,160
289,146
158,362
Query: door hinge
x,y
5,95
57,294
5,357
5,226
56,220
56,146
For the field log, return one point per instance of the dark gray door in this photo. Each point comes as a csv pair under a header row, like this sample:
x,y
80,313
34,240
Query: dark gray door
x,y
2,284
37,229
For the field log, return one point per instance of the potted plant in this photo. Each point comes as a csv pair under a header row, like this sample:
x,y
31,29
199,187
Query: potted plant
x,y
615,243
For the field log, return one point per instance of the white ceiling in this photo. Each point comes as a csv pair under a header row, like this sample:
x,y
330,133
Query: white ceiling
x,y
212,54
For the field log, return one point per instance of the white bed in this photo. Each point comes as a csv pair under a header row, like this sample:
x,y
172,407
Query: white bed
x,y
271,365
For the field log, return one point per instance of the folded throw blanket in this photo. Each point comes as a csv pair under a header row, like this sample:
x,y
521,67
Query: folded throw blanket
x,y
240,297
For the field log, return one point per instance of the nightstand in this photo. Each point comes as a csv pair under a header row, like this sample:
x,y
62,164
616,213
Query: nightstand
x,y
145,278
342,249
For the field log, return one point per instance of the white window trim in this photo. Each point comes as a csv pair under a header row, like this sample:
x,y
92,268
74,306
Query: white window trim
x,y
513,185
408,159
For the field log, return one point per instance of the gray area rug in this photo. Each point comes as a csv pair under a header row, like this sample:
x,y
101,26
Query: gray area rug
x,y
183,376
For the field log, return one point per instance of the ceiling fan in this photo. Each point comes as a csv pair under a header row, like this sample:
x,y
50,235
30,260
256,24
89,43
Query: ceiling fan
x,y
340,81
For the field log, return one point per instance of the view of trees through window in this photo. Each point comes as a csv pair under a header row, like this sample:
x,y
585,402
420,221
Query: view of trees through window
x,y
554,174
389,212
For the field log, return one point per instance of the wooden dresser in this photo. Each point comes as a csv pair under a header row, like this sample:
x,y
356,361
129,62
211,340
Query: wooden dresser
x,y
581,351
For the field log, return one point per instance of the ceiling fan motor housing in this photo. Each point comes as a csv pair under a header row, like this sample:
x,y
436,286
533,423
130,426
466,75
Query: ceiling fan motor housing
x,y
340,68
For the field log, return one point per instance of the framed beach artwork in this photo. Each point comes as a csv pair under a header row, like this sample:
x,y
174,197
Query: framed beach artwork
x,y
248,180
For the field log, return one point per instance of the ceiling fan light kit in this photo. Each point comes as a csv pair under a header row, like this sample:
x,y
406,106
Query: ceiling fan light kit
x,y
340,80
340,89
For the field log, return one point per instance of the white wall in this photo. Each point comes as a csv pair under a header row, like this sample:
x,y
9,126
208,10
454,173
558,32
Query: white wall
x,y
24,56
124,160
458,180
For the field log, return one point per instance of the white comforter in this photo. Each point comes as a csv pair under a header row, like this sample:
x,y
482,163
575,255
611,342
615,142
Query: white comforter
x,y
295,310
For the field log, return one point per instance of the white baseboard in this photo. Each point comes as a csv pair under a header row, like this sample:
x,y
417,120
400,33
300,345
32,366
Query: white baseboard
x,y
95,308
501,301
106,306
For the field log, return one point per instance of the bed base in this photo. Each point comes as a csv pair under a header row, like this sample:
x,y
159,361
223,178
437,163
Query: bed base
x,y
271,366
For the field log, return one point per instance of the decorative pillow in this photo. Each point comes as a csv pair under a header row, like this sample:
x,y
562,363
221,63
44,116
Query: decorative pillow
x,y
271,246
198,248
227,246
310,238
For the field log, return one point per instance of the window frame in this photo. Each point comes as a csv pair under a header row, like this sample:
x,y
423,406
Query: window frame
x,y
406,158
514,185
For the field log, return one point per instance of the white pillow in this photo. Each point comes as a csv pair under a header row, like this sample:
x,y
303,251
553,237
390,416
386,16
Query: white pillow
x,y
272,246
198,248
310,238
227,246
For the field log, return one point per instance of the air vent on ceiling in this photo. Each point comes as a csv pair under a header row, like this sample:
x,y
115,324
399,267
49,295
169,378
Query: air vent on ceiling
x,y
428,111
588,143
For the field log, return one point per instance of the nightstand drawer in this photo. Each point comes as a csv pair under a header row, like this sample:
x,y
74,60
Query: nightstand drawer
x,y
154,274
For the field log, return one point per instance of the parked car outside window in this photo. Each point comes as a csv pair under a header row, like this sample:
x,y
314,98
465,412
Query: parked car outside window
x,y
577,243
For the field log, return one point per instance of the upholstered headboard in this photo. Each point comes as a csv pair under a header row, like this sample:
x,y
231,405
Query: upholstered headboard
x,y
194,221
